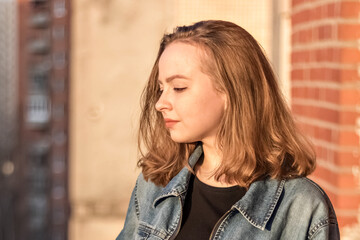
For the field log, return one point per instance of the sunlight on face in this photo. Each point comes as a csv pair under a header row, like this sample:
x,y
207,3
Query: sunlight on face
x,y
192,108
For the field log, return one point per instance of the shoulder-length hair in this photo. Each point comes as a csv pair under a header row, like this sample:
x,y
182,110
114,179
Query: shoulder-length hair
x,y
257,135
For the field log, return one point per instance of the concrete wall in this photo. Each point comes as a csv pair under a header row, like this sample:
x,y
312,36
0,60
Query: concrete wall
x,y
113,47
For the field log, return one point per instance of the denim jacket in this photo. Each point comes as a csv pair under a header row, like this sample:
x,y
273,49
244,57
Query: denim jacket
x,y
270,209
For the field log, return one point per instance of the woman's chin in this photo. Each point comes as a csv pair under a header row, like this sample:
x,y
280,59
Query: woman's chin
x,y
179,139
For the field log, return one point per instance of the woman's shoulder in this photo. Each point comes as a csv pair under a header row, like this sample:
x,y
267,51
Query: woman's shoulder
x,y
304,200
144,186
304,186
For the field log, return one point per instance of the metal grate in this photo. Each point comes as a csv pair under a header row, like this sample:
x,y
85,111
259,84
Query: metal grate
x,y
38,110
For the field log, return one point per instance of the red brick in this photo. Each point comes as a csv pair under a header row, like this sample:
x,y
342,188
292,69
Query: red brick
x,y
347,181
348,31
305,36
315,34
348,75
335,54
349,97
297,92
300,17
294,38
326,55
325,32
297,2
325,134
347,202
315,14
300,56
317,74
319,55
350,55
306,73
326,114
331,75
349,9
324,153
318,149
309,130
346,158
343,181
294,57
297,74
330,95
319,113
348,117
315,93
330,10
344,221
348,138
323,174
297,109
295,19
343,203
340,201
341,158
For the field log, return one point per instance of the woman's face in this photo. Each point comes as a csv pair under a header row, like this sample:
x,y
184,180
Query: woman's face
x,y
192,108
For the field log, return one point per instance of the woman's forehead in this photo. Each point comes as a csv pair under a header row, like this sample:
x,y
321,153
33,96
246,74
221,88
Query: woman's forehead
x,y
179,59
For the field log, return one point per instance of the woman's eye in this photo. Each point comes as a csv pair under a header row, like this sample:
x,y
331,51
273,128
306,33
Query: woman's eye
x,y
179,89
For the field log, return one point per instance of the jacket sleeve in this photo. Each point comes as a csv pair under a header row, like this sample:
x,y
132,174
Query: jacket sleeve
x,y
132,219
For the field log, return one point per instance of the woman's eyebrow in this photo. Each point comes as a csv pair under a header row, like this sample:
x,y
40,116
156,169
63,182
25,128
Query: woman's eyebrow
x,y
169,79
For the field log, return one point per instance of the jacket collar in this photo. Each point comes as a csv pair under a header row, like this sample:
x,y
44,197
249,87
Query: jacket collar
x,y
260,201
257,205
179,184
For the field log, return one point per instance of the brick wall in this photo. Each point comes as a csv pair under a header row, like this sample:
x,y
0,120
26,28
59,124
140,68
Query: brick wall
x,y
325,80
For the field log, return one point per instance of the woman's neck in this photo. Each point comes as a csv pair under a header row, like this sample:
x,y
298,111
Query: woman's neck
x,y
206,168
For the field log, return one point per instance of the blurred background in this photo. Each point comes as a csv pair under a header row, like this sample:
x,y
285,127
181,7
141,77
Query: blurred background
x,y
71,75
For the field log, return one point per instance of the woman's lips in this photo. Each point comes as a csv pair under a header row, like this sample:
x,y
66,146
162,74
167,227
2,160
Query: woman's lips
x,y
170,122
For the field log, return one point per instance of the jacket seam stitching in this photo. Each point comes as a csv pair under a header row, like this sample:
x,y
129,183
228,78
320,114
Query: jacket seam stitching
x,y
136,202
315,185
270,211
274,203
314,230
222,226
149,229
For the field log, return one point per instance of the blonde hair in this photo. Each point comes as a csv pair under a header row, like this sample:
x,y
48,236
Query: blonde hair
x,y
258,136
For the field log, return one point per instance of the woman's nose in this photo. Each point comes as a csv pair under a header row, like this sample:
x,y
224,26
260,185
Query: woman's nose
x,y
163,103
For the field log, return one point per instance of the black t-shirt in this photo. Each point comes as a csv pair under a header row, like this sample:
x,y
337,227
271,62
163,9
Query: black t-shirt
x,y
204,206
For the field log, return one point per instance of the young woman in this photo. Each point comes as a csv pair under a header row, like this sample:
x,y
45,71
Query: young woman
x,y
224,159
